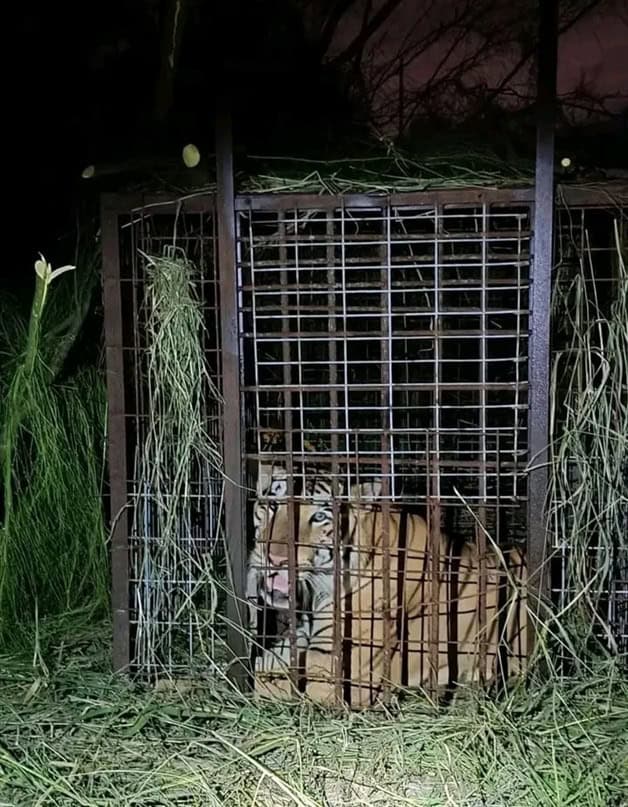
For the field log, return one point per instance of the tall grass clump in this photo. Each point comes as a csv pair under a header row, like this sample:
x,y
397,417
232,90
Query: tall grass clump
x,y
53,555
179,469
589,473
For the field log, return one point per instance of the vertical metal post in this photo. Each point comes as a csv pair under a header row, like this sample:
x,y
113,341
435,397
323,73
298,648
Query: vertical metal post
x,y
387,482
288,433
480,537
232,430
434,537
338,627
540,301
112,301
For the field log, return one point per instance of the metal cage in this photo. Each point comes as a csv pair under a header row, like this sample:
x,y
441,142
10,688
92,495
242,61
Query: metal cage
x,y
387,339
162,595
377,344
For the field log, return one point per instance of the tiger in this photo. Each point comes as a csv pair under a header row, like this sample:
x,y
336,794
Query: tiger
x,y
360,522
268,588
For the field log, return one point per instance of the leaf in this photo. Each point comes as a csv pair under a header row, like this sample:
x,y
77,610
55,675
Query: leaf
x,y
60,271
32,690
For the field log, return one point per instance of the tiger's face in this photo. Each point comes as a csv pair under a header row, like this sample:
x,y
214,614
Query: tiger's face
x,y
313,533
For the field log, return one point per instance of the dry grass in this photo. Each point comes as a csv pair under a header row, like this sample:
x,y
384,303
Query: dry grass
x,y
70,734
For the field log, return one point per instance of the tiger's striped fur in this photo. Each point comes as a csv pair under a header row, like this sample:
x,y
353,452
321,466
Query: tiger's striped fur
x,y
361,526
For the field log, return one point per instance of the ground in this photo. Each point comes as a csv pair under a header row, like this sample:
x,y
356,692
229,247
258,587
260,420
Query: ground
x,y
71,734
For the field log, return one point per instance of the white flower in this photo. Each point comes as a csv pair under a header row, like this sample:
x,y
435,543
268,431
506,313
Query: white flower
x,y
45,271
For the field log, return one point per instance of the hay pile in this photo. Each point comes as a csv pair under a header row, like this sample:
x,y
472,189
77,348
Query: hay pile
x,y
375,168
392,171
72,735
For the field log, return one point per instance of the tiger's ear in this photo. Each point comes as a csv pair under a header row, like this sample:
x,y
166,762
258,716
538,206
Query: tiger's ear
x,y
272,481
367,491
340,487
264,478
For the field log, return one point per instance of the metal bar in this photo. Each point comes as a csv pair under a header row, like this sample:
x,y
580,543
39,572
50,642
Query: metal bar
x,y
313,201
376,387
338,627
502,650
434,522
232,426
353,610
521,346
483,492
260,455
288,426
482,580
386,410
112,300
614,192
434,469
541,273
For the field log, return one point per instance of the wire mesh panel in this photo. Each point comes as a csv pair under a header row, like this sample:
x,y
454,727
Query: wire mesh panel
x,y
589,508
170,344
385,392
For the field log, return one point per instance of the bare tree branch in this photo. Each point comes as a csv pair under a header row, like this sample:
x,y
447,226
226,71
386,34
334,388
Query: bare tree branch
x,y
528,54
439,60
366,32
330,26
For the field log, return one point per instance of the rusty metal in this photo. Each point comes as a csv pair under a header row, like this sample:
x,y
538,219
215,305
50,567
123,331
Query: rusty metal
x,y
288,433
434,522
313,201
339,592
396,319
387,423
434,282
480,538
605,195
541,273
230,355
386,614
117,456
366,320
611,195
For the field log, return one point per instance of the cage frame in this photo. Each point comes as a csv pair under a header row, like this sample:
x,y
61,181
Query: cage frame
x,y
226,205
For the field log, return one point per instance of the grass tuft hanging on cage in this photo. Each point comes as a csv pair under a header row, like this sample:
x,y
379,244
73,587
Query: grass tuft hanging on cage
x,y
589,470
180,483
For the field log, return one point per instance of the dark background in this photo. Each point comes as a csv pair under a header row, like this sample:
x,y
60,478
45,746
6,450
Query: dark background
x,y
85,85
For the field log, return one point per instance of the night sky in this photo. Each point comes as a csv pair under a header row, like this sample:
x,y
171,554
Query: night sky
x,y
81,77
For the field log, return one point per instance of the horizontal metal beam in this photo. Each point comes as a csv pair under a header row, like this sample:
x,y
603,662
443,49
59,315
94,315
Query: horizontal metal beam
x,y
602,194
454,196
